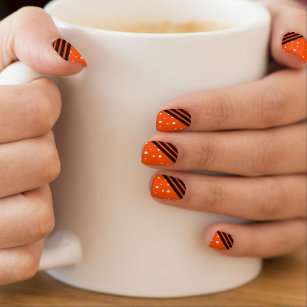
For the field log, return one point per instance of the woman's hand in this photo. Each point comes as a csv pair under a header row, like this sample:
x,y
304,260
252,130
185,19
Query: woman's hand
x,y
256,131
28,156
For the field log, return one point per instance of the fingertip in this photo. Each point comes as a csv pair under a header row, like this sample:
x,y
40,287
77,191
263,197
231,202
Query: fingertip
x,y
38,43
219,238
289,45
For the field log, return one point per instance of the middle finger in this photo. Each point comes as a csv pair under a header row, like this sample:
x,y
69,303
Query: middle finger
x,y
249,153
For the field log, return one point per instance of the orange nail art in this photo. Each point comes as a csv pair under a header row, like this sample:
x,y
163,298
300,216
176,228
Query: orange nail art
x,y
159,153
167,187
222,240
173,120
67,51
295,43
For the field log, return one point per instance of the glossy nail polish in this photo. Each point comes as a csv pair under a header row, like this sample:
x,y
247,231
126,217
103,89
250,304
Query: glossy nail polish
x,y
295,43
167,187
159,153
173,120
222,240
67,51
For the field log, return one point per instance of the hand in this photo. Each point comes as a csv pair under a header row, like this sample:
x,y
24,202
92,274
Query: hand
x,y
28,154
256,131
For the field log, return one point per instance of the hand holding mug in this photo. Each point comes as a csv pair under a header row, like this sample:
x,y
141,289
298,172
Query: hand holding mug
x,y
29,159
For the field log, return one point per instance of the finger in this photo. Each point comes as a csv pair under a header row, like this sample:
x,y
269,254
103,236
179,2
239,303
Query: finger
x,y
248,153
28,110
28,164
288,44
19,263
261,198
31,36
263,239
276,100
26,218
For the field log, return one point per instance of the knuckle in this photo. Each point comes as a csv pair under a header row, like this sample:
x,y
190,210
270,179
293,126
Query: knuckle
x,y
272,105
264,156
38,114
207,154
44,221
51,165
270,204
218,108
214,198
26,266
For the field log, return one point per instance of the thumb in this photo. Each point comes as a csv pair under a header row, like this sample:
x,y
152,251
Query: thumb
x,y
288,44
30,35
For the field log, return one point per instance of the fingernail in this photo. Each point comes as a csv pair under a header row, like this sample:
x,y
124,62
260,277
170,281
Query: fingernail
x,y
295,43
221,240
67,51
173,120
159,153
167,187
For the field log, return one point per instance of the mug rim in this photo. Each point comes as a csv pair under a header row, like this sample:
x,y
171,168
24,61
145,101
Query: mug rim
x,y
266,17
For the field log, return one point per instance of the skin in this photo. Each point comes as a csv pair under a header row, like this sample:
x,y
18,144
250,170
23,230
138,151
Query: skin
x,y
29,159
256,131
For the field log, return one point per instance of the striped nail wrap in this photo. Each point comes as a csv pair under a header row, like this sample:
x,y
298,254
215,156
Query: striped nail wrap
x,y
159,153
173,120
167,187
67,51
291,36
295,43
222,240
61,46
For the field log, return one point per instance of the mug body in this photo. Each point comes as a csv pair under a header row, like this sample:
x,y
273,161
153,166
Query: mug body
x,y
131,244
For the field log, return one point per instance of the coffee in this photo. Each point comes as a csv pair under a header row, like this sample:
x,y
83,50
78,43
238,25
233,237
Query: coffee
x,y
164,26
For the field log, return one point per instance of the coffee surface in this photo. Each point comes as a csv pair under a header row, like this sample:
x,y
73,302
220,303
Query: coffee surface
x,y
164,26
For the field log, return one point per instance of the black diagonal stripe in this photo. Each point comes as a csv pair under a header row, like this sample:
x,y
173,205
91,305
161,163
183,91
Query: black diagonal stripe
x,y
292,39
291,36
230,237
67,51
57,46
177,185
181,115
173,186
63,48
226,245
185,112
290,33
177,117
165,152
228,241
171,148
181,182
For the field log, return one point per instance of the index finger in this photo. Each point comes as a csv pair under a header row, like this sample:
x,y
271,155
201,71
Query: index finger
x,y
276,100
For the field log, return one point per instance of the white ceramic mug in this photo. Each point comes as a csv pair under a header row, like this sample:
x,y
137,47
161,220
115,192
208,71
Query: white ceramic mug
x,y
110,234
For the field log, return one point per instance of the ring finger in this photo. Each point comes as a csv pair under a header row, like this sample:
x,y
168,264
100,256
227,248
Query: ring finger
x,y
260,198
